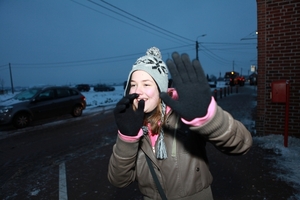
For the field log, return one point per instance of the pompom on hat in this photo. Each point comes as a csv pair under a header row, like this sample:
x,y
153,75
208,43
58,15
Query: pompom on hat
x,y
153,64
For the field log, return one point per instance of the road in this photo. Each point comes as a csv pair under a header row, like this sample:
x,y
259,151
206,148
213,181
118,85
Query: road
x,y
31,158
68,158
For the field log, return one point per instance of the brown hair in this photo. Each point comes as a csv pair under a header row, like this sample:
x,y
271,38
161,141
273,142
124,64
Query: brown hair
x,y
154,119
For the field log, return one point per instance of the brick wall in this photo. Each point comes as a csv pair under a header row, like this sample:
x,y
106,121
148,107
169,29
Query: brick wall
x,y
278,26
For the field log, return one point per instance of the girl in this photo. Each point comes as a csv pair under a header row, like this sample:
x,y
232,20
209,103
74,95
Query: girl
x,y
167,129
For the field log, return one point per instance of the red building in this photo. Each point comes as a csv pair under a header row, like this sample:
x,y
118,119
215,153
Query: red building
x,y
278,26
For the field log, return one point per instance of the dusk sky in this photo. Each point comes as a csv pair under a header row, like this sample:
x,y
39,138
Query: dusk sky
x,y
70,42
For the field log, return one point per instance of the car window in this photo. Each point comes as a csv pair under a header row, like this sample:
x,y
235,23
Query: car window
x,y
27,94
46,95
74,92
62,92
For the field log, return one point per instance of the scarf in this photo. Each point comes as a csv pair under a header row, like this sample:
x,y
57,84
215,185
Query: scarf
x,y
161,151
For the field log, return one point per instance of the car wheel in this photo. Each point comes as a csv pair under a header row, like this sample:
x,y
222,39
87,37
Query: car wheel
x,y
21,120
77,111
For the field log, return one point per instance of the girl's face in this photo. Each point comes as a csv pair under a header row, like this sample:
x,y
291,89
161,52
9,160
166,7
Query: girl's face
x,y
144,85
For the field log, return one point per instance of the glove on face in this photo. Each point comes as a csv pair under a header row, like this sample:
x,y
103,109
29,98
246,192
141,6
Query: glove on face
x,y
192,87
129,122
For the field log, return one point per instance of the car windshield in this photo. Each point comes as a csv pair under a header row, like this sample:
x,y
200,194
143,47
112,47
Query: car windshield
x,y
26,95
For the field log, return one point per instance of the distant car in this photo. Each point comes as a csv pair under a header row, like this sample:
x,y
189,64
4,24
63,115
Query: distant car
x,y
233,78
40,103
83,87
103,87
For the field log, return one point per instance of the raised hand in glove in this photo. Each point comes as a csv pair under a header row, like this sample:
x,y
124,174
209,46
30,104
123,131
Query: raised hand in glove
x,y
192,87
129,121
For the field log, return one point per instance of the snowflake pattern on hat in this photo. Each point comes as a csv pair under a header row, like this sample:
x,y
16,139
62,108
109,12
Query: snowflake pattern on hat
x,y
157,64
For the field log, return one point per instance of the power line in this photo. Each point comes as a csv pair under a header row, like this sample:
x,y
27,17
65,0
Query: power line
x,y
218,57
250,36
229,43
153,26
214,57
159,30
111,59
147,21
79,61
3,69
154,33
5,65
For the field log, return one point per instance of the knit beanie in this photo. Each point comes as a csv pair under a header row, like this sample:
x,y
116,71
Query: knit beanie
x,y
153,64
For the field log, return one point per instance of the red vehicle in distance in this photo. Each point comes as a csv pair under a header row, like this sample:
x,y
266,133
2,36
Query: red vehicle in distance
x,y
233,78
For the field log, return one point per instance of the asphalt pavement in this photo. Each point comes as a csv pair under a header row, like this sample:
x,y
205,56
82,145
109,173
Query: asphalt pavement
x,y
251,176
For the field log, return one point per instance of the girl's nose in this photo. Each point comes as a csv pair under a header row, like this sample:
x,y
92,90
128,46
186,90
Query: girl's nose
x,y
138,90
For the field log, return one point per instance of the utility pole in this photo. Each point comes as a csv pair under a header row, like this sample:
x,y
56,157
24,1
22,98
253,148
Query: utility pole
x,y
197,47
232,65
11,81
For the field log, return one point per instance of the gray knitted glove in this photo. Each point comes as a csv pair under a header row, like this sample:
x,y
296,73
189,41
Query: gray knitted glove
x,y
192,87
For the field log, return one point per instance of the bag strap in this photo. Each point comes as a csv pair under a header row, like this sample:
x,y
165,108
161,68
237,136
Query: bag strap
x,y
160,190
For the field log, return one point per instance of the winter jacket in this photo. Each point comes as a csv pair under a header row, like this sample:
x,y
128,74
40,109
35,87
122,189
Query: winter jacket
x,y
185,173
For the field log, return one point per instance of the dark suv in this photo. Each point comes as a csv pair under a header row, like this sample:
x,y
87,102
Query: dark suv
x,y
103,87
83,87
40,103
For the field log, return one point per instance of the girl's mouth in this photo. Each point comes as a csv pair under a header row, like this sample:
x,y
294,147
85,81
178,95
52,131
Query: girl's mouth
x,y
141,99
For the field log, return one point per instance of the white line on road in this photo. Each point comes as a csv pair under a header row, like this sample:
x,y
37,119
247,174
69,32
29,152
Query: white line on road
x,y
63,193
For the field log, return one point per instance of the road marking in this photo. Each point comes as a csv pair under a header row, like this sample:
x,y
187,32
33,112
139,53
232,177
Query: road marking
x,y
63,193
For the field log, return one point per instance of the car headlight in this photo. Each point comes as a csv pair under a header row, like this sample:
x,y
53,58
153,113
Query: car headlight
x,y
6,109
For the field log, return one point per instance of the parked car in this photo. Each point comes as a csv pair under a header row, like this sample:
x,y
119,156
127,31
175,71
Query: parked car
x,y
40,103
103,87
83,87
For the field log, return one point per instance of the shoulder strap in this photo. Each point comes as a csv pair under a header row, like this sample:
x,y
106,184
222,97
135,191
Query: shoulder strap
x,y
160,190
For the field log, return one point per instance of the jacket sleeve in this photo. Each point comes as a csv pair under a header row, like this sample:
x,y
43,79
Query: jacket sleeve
x,y
227,134
121,168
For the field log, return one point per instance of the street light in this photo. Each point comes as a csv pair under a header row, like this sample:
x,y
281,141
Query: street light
x,y
197,45
253,36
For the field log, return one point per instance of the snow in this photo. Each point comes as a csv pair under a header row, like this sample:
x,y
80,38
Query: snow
x,y
287,158
96,99
93,99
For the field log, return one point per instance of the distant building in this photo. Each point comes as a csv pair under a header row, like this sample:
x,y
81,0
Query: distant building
x,y
252,79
